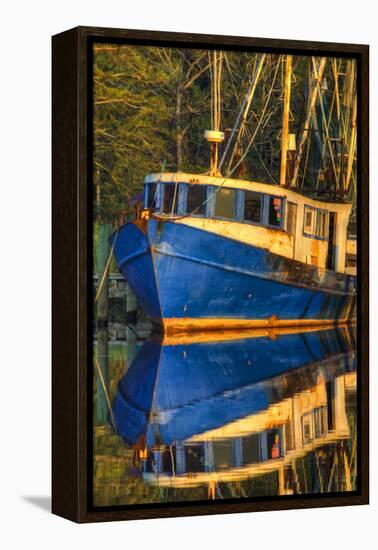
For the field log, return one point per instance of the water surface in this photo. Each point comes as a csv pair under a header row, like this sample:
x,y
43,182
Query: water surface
x,y
210,417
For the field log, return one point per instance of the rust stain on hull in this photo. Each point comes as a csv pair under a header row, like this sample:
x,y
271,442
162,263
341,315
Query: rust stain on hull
x,y
185,325
193,337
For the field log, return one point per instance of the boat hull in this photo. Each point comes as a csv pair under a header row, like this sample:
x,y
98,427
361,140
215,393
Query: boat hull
x,y
187,279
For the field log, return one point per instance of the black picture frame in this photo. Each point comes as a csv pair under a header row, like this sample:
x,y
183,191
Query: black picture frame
x,y
72,273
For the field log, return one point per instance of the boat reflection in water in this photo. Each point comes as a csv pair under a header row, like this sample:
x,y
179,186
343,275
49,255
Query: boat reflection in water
x,y
268,412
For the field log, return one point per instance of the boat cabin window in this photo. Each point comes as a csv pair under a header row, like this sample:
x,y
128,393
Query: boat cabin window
x,y
315,222
291,217
218,202
196,201
225,202
151,195
252,206
195,458
307,428
170,198
308,224
321,227
275,211
223,454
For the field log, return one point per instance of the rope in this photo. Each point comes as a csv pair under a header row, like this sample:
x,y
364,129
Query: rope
x,y
244,107
198,207
231,171
106,269
132,330
243,118
105,391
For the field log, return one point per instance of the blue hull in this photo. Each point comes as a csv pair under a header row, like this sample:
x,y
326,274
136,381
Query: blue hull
x,y
179,272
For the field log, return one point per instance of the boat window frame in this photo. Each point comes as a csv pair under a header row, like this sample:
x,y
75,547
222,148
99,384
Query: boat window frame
x,y
180,204
265,222
147,191
314,226
242,207
288,205
308,208
205,187
321,211
214,200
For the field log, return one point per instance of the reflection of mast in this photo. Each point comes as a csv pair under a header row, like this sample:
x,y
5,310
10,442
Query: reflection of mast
x,y
285,120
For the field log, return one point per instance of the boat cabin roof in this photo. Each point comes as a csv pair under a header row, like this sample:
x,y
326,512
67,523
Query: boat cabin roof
x,y
258,187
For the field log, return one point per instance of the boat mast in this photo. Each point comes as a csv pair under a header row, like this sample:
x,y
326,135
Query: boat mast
x,y
285,120
215,136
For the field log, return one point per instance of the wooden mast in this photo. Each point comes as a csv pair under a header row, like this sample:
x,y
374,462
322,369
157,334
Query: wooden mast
x,y
285,120
215,136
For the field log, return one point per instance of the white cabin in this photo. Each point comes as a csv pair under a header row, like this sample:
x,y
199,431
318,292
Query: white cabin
x,y
276,218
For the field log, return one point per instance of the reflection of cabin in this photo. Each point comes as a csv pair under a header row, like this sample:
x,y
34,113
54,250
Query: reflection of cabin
x,y
281,220
256,445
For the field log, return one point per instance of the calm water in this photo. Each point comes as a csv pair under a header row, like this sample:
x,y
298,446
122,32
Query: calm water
x,y
267,414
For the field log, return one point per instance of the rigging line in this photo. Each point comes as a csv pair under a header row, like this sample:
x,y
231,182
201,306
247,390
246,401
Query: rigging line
x,y
174,198
272,178
243,107
307,155
256,77
352,145
232,79
345,129
219,87
132,330
230,172
331,474
212,91
310,105
201,205
170,129
105,391
215,91
106,269
325,123
237,98
324,145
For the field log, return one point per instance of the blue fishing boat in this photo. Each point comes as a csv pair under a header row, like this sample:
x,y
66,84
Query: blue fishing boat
x,y
213,252
210,252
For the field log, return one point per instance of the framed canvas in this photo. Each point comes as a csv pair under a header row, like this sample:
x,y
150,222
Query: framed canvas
x,y
210,274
